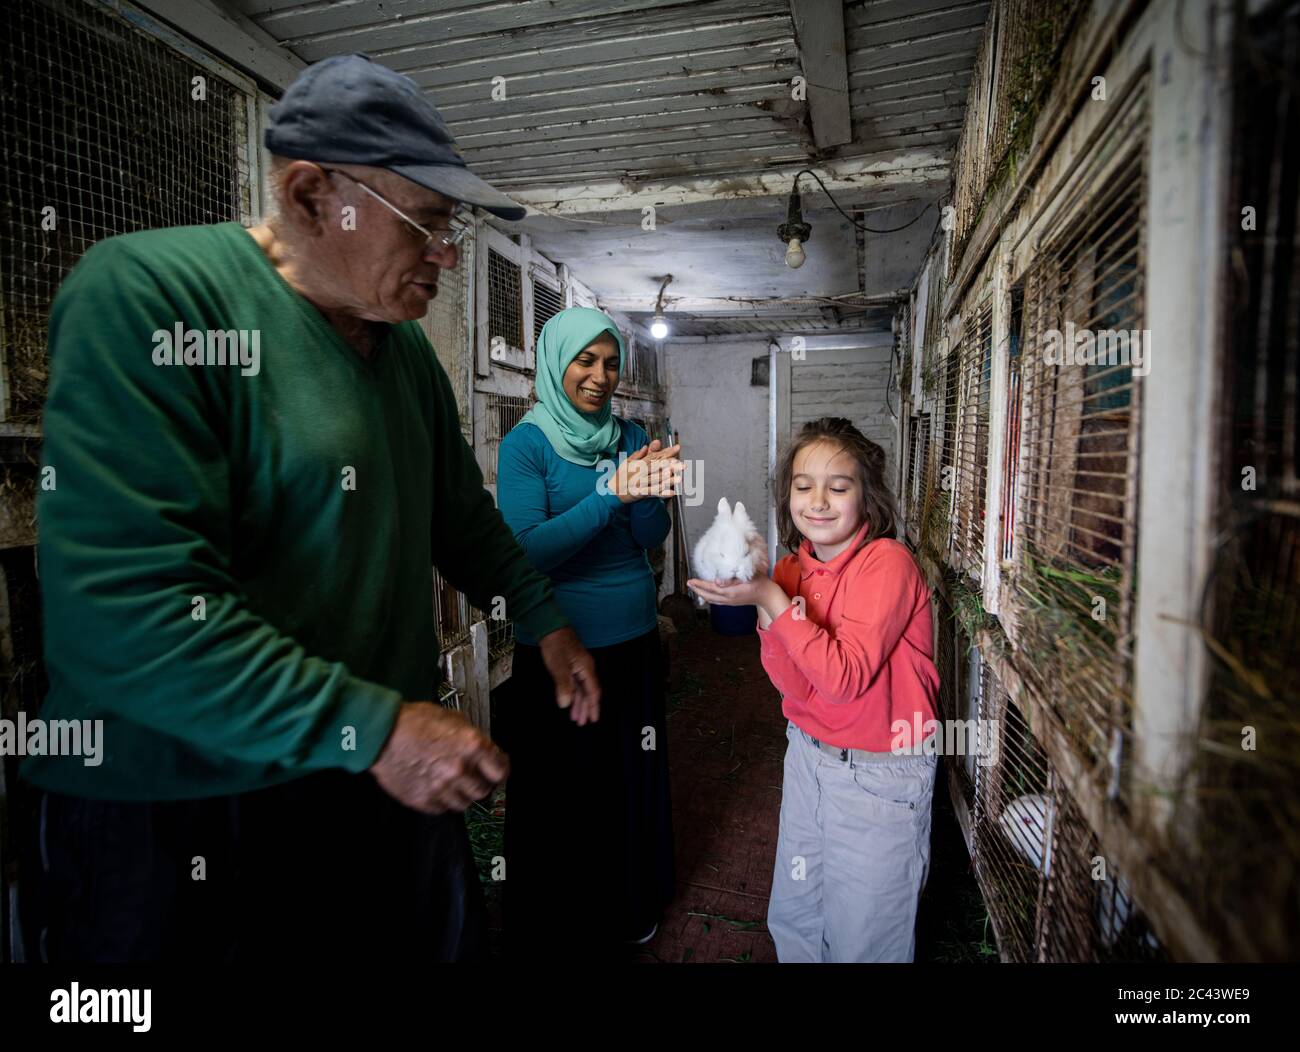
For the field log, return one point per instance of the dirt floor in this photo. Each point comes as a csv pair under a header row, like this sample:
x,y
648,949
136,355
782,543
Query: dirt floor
x,y
726,742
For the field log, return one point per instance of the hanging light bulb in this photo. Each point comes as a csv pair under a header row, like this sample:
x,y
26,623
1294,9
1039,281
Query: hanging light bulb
x,y
794,231
659,326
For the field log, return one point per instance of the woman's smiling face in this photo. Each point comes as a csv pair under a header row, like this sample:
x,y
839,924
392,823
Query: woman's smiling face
x,y
591,377
826,497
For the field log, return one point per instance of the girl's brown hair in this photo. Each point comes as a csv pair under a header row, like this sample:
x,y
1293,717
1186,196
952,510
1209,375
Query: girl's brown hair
x,y
877,503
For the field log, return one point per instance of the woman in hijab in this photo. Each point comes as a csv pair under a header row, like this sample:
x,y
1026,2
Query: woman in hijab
x,y
589,843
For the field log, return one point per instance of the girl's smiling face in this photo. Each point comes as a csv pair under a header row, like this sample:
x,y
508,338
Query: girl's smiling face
x,y
826,498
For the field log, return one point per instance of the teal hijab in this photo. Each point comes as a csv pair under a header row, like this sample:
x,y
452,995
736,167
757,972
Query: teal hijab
x,y
580,438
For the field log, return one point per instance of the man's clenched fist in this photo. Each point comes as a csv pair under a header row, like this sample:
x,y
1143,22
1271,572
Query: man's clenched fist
x,y
435,760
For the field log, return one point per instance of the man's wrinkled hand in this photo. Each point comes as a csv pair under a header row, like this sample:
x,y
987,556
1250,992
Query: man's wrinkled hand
x,y
435,760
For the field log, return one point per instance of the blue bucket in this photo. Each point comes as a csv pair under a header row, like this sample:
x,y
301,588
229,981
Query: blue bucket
x,y
733,620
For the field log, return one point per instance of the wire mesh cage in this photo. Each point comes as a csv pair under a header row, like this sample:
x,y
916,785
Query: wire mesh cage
x,y
102,135
630,373
649,365
941,482
1030,33
1014,67
917,458
1011,459
452,614
503,413
501,636
1087,912
953,660
906,352
1242,866
1012,826
971,161
505,303
449,696
1080,373
447,324
1051,893
548,301
974,377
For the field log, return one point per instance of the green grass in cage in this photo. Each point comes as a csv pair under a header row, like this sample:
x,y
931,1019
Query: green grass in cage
x,y
1056,619
1072,591
968,609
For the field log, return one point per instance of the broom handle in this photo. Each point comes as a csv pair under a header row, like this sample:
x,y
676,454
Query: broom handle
x,y
680,571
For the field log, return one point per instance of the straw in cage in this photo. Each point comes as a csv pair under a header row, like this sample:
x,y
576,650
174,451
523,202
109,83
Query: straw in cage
x,y
1242,792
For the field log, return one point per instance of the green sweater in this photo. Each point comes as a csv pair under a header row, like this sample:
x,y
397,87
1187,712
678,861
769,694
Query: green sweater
x,y
235,558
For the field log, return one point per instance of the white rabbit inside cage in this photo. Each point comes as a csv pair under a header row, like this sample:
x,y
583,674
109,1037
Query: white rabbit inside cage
x,y
1027,822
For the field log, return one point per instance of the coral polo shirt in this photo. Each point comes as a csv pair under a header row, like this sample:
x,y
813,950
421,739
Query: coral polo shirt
x,y
862,657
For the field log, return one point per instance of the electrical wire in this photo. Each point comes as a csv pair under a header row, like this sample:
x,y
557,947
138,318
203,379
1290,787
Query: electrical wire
x,y
865,229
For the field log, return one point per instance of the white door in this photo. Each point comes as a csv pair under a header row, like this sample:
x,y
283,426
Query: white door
x,y
851,382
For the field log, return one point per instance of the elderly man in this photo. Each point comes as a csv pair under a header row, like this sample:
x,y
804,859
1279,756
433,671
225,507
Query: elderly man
x,y
254,460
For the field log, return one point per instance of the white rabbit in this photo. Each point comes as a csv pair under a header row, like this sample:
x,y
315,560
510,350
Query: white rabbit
x,y
1027,821
729,547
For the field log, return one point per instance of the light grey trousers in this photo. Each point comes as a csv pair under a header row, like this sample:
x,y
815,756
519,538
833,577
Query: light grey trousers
x,y
852,855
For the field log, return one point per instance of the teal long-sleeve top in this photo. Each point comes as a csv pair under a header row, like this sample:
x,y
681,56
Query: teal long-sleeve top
x,y
591,544
236,565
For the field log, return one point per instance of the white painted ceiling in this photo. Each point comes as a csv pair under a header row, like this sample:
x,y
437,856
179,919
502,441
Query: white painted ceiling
x,y
648,97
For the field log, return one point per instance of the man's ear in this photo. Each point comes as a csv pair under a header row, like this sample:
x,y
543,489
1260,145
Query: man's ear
x,y
305,197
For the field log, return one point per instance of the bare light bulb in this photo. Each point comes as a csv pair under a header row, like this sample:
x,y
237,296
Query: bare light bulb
x,y
794,256
659,327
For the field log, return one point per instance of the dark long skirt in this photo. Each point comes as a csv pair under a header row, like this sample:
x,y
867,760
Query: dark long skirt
x,y
589,838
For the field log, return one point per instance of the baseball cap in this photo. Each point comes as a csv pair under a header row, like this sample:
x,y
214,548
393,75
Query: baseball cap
x,y
348,109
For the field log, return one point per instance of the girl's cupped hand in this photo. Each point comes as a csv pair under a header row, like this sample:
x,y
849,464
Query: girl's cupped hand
x,y
734,592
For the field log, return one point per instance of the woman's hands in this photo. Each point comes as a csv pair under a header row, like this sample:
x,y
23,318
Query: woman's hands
x,y
574,671
651,471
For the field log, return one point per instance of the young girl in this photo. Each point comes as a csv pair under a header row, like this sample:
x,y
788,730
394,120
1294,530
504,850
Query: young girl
x,y
845,635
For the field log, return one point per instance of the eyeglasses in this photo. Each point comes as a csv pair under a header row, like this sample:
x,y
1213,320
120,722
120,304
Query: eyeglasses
x,y
443,239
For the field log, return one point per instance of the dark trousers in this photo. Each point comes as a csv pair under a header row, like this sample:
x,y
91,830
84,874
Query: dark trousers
x,y
589,836
326,867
